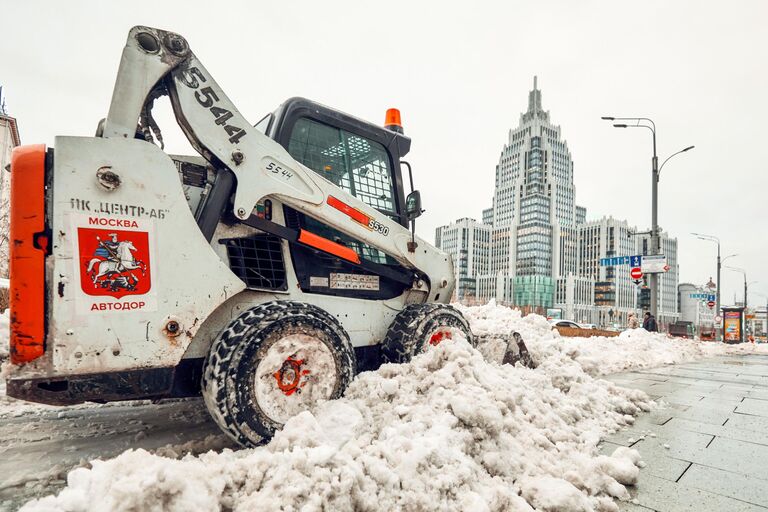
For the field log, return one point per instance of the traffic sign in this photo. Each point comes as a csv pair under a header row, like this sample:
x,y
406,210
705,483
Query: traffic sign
x,y
703,296
655,264
634,261
718,319
711,304
636,273
616,260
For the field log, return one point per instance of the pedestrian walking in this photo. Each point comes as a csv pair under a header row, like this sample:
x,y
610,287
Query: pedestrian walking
x,y
632,321
649,324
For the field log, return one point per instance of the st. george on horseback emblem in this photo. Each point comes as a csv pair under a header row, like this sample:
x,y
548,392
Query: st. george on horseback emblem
x,y
114,262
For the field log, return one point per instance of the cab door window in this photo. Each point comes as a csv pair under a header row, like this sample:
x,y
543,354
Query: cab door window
x,y
353,163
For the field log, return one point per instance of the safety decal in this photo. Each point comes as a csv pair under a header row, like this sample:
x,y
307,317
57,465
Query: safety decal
x,y
354,282
318,281
114,262
357,216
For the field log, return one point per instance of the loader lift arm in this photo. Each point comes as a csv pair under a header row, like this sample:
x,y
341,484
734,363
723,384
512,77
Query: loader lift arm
x,y
156,61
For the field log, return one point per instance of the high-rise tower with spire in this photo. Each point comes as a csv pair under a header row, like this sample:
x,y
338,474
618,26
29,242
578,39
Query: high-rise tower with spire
x,y
534,237
535,249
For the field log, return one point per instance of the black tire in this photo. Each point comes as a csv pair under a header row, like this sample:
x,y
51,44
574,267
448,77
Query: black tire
x,y
230,387
412,328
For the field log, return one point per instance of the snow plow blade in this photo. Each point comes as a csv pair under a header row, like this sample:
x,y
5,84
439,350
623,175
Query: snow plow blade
x,y
512,345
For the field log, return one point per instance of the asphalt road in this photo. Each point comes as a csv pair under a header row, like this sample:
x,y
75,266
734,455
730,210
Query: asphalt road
x,y
39,445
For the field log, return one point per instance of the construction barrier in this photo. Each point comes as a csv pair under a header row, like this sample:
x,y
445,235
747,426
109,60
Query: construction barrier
x,y
575,332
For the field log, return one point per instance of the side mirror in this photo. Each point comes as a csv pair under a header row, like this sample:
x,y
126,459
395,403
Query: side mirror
x,y
413,205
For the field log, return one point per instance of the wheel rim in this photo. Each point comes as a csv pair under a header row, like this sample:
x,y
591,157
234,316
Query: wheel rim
x,y
439,335
289,376
296,371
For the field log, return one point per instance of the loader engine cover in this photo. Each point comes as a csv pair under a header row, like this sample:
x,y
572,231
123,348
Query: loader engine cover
x,y
133,276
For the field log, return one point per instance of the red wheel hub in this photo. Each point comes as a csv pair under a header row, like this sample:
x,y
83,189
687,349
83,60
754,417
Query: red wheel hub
x,y
289,375
439,336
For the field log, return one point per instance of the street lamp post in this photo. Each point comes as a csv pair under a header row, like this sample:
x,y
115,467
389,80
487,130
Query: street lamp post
x,y
719,312
744,273
745,294
713,238
655,170
750,331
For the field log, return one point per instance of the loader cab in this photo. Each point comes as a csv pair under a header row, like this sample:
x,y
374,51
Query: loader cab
x,y
357,156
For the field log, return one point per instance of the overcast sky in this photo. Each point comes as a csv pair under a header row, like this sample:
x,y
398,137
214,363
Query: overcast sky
x,y
460,73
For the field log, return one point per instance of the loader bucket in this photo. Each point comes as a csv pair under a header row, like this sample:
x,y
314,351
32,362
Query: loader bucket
x,y
505,349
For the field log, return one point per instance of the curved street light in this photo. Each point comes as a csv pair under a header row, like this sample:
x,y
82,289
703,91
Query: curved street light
x,y
674,154
639,123
746,285
713,238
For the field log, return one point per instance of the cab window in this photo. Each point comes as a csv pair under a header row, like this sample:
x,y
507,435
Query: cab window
x,y
353,163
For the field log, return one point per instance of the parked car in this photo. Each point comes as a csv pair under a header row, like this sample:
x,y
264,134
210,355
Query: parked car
x,y
564,323
681,329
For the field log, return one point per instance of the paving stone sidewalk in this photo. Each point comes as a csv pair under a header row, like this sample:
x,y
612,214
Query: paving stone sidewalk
x,y
707,450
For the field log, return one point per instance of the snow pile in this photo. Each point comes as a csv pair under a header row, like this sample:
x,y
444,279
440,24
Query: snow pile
x,y
712,349
449,431
632,349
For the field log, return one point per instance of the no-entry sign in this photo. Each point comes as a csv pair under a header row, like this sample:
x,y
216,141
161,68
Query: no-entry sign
x,y
636,273
711,304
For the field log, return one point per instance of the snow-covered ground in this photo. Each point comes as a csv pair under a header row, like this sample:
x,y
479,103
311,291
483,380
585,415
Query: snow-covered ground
x,y
452,430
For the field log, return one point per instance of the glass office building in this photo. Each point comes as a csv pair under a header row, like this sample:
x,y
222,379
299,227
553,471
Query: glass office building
x,y
534,205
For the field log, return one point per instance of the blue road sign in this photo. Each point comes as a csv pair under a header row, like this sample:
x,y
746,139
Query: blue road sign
x,y
708,297
634,261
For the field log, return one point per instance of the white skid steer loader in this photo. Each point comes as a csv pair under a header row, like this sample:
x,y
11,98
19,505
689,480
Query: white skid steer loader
x,y
263,273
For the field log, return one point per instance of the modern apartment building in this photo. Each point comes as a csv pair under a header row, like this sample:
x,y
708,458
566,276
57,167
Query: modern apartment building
x,y
616,296
576,298
488,216
467,241
692,305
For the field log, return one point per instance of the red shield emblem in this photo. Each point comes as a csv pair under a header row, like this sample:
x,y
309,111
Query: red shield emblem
x,y
114,262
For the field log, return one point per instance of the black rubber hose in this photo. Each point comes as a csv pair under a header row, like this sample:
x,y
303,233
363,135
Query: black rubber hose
x,y
217,200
